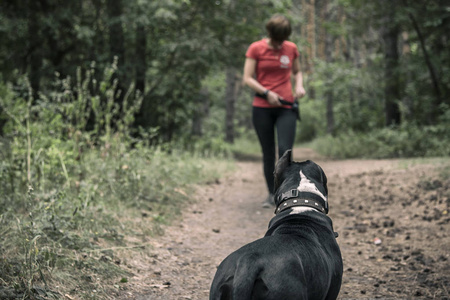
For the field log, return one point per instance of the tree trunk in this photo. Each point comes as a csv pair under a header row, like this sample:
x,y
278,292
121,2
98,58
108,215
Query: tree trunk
x,y
141,62
343,46
116,43
434,78
312,31
116,37
305,54
407,100
321,39
391,55
330,113
351,92
99,46
201,113
140,65
230,99
329,97
35,52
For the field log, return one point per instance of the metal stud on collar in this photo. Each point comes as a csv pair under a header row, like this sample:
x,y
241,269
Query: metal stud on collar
x,y
300,202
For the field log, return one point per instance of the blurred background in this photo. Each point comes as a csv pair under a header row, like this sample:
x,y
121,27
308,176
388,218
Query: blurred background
x,y
367,65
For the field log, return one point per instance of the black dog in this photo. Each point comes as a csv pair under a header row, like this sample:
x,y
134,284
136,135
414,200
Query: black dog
x,y
298,258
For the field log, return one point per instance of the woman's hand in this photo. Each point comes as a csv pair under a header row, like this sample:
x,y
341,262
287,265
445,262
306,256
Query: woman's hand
x,y
272,98
300,92
298,78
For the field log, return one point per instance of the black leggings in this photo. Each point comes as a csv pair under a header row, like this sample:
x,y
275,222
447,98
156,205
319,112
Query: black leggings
x,y
265,121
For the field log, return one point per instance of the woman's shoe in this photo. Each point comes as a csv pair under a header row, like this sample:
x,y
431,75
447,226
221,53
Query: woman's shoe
x,y
269,202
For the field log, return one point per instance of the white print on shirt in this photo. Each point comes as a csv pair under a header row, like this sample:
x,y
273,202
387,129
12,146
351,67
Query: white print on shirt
x,y
284,60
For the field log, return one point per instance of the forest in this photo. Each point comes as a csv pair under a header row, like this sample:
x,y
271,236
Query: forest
x,y
367,65
94,87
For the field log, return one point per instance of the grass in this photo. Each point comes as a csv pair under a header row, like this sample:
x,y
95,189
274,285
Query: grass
x,y
74,231
247,147
72,199
409,140
66,239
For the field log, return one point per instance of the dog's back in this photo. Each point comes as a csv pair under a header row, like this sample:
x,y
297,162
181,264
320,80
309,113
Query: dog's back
x,y
283,265
299,257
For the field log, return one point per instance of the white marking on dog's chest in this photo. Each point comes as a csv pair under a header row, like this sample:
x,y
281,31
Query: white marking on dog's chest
x,y
307,186
300,209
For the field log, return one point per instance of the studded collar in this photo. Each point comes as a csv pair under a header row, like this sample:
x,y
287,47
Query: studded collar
x,y
293,198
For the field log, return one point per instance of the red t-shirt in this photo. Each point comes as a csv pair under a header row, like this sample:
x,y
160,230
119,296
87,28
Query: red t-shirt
x,y
273,69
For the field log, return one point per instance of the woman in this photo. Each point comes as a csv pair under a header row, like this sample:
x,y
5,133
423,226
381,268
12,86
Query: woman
x,y
268,68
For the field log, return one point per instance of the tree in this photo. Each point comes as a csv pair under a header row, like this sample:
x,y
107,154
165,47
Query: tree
x,y
235,29
117,45
440,19
166,48
201,113
391,81
329,43
34,51
230,100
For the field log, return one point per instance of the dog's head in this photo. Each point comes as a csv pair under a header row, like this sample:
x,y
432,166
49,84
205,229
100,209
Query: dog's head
x,y
298,183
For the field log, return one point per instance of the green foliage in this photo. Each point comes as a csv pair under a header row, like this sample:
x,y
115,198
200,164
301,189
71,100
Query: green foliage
x,y
356,100
356,77
47,137
312,124
178,44
410,140
67,180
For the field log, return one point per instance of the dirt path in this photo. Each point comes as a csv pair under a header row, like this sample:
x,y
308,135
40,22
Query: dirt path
x,y
392,219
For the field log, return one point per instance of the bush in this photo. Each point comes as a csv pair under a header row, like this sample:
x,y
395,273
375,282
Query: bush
x,y
71,187
409,140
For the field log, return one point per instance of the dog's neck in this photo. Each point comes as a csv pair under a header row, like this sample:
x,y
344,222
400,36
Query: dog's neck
x,y
305,195
298,214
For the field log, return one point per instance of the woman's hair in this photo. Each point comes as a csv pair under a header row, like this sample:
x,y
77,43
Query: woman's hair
x,y
278,28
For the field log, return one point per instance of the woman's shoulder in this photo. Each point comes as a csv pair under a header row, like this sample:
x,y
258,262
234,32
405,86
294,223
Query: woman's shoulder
x,y
290,44
291,48
259,43
255,48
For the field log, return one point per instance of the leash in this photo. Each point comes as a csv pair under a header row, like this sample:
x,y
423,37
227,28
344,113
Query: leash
x,y
294,105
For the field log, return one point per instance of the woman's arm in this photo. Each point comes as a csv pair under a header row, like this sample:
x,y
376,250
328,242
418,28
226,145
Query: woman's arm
x,y
249,79
298,79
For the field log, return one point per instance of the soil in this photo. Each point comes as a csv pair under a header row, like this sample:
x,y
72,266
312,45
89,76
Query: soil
x,y
391,216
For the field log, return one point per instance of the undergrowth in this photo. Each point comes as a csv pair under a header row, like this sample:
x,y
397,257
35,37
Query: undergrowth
x,y
408,140
76,187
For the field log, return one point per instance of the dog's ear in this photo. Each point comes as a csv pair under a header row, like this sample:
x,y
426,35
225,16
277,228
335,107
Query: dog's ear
x,y
324,180
284,162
